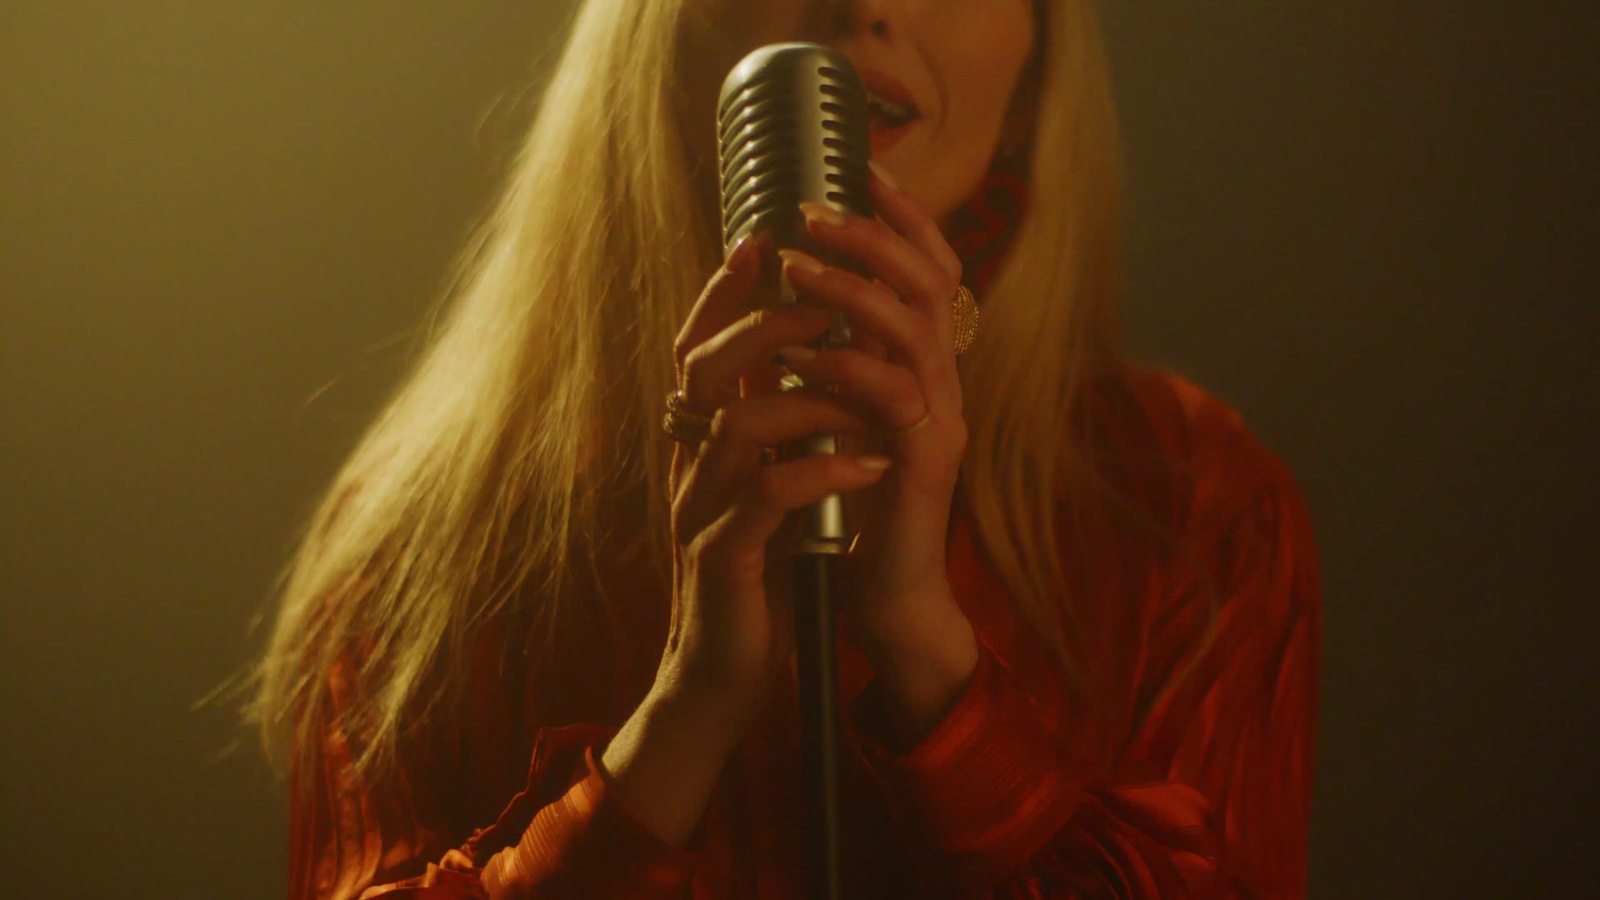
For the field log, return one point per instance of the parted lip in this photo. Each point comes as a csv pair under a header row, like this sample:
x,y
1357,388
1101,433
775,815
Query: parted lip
x,y
888,87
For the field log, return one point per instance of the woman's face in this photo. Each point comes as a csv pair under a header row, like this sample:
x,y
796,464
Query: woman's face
x,y
948,69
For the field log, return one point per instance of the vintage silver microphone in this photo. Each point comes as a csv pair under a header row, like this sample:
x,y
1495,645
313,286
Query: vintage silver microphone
x,y
792,127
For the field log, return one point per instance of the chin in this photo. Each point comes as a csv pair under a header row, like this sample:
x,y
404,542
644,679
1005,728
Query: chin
x,y
934,191
929,176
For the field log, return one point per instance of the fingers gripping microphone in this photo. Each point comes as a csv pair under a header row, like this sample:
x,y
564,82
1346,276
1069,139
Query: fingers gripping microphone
x,y
792,127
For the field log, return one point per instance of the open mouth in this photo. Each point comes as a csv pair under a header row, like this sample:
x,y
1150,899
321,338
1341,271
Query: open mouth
x,y
892,111
885,113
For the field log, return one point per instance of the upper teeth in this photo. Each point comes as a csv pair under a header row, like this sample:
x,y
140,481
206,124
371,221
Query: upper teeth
x,y
889,108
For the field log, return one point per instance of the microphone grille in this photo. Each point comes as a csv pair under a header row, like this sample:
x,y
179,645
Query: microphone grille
x,y
792,126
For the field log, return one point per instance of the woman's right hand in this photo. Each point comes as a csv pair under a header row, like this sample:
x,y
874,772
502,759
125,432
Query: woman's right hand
x,y
732,617
732,613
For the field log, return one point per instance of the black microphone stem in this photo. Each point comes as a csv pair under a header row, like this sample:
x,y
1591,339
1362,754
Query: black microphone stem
x,y
816,673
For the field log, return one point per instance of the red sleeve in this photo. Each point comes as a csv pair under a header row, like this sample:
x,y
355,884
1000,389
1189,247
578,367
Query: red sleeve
x,y
561,836
580,842
1215,796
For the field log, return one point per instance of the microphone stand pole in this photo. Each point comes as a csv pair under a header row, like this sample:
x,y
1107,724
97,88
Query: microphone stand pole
x,y
816,673
824,539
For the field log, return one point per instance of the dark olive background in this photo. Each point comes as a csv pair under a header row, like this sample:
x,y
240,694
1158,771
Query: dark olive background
x,y
1369,225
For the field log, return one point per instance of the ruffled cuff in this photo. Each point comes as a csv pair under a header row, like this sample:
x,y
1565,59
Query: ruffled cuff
x,y
582,843
981,792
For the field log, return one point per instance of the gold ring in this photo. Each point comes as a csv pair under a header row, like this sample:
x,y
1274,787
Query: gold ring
x,y
966,315
902,432
683,424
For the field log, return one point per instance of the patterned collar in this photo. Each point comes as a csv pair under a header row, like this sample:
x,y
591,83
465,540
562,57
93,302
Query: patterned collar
x,y
982,228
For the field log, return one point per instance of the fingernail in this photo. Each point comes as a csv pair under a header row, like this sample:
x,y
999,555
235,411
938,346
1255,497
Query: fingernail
x,y
883,174
873,461
751,246
797,353
741,251
821,212
805,262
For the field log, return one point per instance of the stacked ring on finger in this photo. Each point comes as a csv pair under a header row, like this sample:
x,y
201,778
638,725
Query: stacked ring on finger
x,y
902,432
686,426
683,424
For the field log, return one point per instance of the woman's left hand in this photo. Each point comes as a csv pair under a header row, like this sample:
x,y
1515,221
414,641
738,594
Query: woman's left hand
x,y
902,368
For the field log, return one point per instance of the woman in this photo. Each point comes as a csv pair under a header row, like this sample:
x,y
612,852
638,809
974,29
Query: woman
x,y
532,646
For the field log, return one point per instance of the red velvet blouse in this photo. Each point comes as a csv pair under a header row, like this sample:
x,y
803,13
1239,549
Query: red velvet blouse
x,y
1021,791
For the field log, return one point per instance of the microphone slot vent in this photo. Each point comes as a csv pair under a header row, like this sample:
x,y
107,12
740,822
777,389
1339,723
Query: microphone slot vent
x,y
761,208
770,150
772,110
754,92
756,160
758,131
758,179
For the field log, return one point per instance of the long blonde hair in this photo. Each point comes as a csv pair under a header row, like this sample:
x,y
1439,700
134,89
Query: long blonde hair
x,y
488,483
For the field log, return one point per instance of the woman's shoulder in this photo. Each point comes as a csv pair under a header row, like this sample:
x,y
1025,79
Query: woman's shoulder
x,y
1175,431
